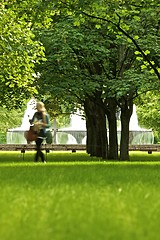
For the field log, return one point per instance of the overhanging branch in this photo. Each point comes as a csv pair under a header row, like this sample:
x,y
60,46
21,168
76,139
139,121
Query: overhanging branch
x,y
128,36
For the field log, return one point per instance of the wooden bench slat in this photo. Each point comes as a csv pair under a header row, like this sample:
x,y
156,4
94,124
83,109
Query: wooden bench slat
x,y
71,147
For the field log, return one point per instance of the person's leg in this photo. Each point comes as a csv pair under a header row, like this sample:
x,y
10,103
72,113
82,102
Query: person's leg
x,y
37,150
42,156
39,153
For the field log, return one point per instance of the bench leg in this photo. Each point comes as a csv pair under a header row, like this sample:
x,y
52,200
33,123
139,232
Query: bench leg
x,y
23,152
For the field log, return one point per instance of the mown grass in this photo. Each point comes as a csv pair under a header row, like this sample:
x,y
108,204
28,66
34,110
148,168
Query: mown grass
x,y
77,197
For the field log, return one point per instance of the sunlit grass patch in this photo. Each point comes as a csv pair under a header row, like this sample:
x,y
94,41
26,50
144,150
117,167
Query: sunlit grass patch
x,y
144,156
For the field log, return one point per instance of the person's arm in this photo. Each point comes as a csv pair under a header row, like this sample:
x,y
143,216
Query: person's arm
x,y
46,122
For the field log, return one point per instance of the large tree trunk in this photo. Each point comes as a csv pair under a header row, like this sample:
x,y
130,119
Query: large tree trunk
x,y
112,125
126,112
96,128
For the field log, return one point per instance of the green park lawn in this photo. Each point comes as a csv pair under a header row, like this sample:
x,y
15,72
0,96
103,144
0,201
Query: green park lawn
x,y
76,197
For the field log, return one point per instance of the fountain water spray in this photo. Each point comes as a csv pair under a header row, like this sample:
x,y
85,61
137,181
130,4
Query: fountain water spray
x,y
16,135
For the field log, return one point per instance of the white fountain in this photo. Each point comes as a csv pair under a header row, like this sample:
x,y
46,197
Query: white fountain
x,y
139,135
133,125
77,126
29,112
76,132
16,135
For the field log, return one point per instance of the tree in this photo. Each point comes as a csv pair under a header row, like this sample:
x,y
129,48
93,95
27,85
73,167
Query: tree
x,y
126,23
128,20
72,59
19,51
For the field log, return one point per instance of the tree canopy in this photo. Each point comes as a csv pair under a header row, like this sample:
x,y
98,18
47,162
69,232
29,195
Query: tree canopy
x,y
100,55
19,51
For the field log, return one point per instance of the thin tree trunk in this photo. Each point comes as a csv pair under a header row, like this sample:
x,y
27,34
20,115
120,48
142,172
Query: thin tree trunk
x,y
126,112
112,124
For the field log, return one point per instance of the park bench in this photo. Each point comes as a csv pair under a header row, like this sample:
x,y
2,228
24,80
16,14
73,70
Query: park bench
x,y
145,147
46,147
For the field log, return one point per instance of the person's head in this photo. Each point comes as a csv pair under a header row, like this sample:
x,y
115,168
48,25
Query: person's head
x,y
40,107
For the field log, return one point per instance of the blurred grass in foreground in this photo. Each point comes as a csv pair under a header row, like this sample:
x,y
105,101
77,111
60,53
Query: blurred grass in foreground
x,y
77,197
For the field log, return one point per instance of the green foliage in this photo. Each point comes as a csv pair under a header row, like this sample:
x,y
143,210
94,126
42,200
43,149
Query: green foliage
x,y
135,21
149,112
106,46
19,51
85,33
2,138
72,53
10,119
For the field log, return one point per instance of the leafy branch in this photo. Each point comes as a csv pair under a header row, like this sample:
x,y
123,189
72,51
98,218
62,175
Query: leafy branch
x,y
117,25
